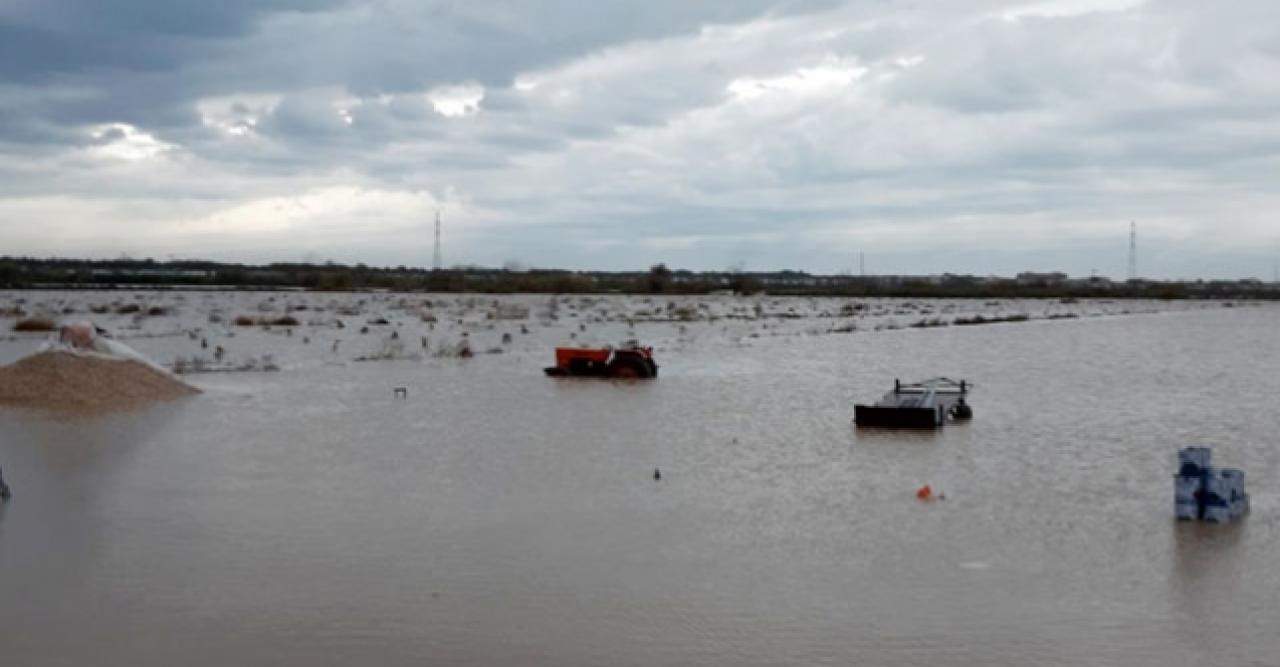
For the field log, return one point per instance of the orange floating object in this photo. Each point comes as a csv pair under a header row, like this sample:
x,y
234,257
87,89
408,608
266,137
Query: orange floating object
x,y
925,492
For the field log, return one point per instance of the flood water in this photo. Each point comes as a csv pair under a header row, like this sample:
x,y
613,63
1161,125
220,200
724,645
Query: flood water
x,y
498,517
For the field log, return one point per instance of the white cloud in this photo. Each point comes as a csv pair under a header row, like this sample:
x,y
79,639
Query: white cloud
x,y
1063,8
831,76
121,141
236,115
456,101
326,210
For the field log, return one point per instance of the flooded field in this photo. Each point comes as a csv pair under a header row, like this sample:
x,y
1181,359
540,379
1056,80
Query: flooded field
x,y
296,513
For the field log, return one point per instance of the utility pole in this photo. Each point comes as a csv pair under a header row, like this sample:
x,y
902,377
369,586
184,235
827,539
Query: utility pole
x,y
436,262
862,264
1133,250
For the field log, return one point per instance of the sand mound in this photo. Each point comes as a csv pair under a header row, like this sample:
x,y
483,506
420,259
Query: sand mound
x,y
64,381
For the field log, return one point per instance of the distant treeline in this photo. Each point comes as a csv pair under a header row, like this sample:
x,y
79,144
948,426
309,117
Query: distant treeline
x,y
29,273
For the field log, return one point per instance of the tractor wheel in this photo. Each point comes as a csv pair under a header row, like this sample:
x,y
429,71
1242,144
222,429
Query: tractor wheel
x,y
625,370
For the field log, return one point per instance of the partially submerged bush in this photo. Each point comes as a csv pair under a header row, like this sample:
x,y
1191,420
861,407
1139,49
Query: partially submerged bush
x,y
186,366
510,311
280,321
35,324
462,350
392,349
978,319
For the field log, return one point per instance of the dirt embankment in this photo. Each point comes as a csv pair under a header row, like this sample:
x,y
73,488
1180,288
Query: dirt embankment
x,y
65,382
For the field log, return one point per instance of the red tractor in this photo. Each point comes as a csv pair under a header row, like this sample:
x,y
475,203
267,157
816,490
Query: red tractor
x,y
631,361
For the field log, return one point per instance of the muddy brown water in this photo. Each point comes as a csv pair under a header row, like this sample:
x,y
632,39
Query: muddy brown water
x,y
498,517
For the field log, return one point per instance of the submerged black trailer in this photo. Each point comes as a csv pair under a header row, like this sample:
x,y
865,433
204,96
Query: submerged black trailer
x,y
925,405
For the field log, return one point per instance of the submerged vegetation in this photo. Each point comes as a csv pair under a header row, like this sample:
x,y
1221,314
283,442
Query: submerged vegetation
x,y
225,331
281,321
979,319
38,324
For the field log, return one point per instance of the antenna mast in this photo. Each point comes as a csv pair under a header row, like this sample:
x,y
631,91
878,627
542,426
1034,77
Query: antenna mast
x,y
436,262
1133,250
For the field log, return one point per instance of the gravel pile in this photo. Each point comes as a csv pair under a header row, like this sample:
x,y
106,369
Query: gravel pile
x,y
66,382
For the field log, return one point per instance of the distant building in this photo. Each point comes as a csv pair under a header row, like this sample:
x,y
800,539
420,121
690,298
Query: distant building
x,y
1092,282
1053,279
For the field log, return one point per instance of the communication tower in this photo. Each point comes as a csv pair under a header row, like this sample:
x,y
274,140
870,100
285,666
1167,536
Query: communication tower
x,y
436,262
1133,250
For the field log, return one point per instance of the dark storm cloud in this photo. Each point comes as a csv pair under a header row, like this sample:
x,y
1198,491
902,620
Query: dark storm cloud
x,y
43,40
145,62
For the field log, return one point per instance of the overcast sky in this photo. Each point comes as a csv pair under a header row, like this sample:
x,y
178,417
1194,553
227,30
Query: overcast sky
x,y
975,136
